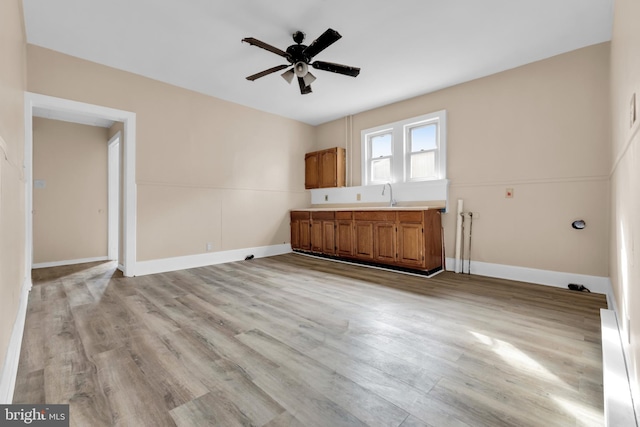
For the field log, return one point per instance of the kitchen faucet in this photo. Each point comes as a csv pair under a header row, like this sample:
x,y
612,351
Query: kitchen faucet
x,y
392,202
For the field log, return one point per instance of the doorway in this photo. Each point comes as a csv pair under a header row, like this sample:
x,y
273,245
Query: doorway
x,y
77,111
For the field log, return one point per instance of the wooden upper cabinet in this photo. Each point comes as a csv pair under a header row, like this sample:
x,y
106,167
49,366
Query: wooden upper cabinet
x,y
311,171
325,168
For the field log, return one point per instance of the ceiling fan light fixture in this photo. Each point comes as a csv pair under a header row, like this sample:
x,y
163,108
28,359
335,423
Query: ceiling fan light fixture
x,y
309,78
288,75
301,69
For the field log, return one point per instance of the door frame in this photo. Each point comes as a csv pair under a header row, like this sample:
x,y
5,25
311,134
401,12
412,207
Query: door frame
x,y
128,146
113,197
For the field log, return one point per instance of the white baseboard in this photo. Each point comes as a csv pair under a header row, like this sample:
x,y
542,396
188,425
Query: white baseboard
x,y
12,358
210,258
558,279
69,262
618,404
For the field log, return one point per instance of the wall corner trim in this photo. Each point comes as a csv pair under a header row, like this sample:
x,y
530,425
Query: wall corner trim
x,y
618,403
164,265
12,358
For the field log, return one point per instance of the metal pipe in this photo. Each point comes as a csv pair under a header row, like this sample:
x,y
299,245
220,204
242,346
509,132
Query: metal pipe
x,y
458,266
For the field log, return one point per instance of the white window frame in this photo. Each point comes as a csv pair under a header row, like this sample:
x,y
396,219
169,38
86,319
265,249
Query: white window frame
x,y
400,158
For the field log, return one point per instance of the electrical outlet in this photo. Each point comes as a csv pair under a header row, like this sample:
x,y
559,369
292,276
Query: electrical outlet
x,y
474,215
326,197
508,193
209,246
358,197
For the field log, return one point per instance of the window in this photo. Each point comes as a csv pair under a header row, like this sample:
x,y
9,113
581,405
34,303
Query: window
x,y
405,151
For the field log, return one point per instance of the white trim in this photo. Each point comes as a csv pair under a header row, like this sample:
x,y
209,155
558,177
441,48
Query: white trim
x,y
398,157
209,258
113,196
12,358
618,405
129,159
597,284
69,262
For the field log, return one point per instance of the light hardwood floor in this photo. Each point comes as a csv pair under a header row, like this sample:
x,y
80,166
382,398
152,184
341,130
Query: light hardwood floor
x,y
297,341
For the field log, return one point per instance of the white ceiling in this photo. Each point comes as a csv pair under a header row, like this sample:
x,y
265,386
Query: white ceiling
x,y
404,47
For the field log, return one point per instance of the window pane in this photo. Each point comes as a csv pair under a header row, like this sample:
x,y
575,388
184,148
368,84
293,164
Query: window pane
x,y
381,145
423,165
381,170
423,138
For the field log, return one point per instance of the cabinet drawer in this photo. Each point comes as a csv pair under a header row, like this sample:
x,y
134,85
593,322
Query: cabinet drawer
x,y
344,215
374,215
323,215
410,216
296,215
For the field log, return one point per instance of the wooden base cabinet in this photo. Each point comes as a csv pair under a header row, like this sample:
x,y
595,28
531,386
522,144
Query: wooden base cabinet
x,y
363,239
344,234
301,230
409,239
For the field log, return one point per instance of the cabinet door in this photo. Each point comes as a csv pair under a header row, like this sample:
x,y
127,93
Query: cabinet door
x,y
363,240
328,237
295,234
305,234
316,236
411,244
385,242
344,238
311,171
328,169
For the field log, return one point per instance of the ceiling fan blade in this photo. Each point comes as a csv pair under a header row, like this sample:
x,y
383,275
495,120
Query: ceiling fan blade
x,y
266,72
255,42
325,40
304,89
336,68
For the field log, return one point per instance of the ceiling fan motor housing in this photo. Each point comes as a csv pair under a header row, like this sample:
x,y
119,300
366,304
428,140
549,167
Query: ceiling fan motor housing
x,y
296,54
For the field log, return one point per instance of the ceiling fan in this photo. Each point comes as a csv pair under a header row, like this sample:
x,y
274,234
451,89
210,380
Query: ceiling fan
x,y
300,57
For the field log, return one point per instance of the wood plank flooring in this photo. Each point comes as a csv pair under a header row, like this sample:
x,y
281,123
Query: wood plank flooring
x,y
297,341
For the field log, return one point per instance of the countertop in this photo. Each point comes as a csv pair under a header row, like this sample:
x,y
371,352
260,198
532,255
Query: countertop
x,y
372,208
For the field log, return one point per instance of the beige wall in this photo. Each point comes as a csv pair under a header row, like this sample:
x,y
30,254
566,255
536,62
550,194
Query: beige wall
x,y
207,170
542,129
12,228
70,213
625,180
